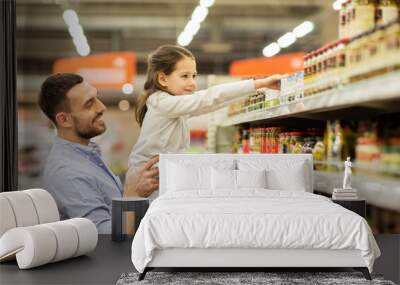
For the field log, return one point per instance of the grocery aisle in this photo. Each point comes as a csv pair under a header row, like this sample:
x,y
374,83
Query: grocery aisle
x,y
344,104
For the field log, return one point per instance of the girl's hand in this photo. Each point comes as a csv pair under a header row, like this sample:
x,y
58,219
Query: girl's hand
x,y
271,82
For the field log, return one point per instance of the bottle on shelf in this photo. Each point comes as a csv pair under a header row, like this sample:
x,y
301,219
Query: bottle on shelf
x,y
343,14
361,17
386,11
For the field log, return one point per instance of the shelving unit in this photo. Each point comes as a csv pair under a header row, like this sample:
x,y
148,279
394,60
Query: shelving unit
x,y
369,94
357,101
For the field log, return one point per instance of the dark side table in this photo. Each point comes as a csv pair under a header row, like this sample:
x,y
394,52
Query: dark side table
x,y
137,205
358,206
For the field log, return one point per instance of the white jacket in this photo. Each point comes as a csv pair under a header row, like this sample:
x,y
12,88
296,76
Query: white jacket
x,y
165,130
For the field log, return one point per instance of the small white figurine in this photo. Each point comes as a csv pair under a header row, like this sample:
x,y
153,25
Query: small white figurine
x,y
347,174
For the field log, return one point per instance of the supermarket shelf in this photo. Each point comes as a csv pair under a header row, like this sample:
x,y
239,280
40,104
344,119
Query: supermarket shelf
x,y
378,191
379,89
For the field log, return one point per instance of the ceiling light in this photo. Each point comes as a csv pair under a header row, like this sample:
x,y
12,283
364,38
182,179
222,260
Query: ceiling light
x,y
184,39
70,17
199,14
127,88
286,40
83,50
206,3
80,40
271,50
303,29
75,30
192,27
337,5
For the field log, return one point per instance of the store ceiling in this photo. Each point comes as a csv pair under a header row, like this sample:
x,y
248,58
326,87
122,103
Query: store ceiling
x,y
234,29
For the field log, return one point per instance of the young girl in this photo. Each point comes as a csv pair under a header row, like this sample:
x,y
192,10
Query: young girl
x,y
170,99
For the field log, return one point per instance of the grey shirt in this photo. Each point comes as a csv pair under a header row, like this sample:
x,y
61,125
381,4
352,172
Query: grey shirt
x,y
81,183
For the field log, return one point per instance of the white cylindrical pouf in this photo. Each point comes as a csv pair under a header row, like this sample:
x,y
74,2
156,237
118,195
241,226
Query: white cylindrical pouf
x,y
34,246
66,237
45,205
87,234
24,210
7,217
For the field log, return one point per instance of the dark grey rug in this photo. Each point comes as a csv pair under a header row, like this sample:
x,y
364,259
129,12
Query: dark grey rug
x,y
229,278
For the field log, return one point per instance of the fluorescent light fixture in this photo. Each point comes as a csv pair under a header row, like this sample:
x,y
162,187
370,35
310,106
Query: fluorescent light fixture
x,y
303,29
286,40
83,50
70,17
80,41
75,30
192,27
127,88
206,3
184,39
199,14
271,50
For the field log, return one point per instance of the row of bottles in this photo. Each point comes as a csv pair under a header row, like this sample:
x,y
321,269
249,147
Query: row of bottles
x,y
292,86
373,145
359,16
345,61
370,54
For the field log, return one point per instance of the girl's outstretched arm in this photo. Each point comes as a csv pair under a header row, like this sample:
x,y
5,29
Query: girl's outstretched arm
x,y
209,100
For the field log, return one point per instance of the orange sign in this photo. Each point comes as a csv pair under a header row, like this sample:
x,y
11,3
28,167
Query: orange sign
x,y
108,71
264,66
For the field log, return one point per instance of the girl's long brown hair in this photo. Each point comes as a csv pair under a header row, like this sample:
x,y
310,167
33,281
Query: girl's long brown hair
x,y
164,60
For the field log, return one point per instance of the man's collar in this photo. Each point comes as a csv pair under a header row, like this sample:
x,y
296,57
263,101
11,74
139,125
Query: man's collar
x,y
91,148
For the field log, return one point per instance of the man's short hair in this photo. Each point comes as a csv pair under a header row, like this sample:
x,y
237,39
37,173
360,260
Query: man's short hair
x,y
53,93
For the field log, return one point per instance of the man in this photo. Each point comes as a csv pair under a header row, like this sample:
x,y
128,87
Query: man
x,y
75,174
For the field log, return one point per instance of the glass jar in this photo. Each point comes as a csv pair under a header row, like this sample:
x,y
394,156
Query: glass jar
x,y
282,148
261,99
364,67
343,21
349,18
318,69
267,100
274,139
313,69
352,58
386,11
308,145
286,144
274,97
362,16
267,140
322,70
333,66
328,68
392,45
297,142
319,154
246,141
299,88
262,140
